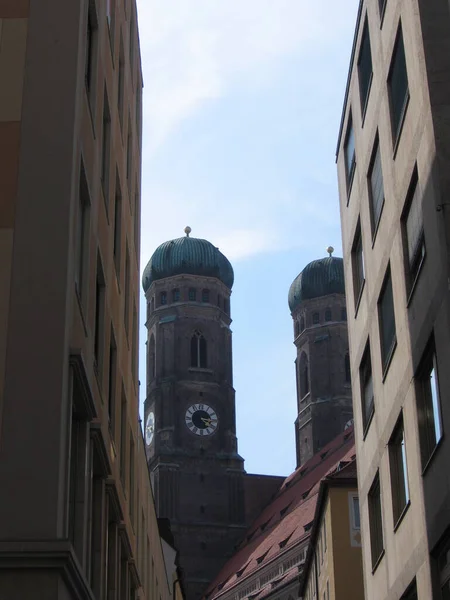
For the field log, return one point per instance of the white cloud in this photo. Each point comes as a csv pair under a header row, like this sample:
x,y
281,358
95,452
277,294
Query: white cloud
x,y
193,50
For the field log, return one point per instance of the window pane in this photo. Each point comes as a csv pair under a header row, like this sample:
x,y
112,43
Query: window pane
x,y
387,321
365,66
435,403
375,521
376,187
349,151
356,515
398,84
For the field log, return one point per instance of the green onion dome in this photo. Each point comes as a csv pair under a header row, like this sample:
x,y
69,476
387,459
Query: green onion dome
x,y
319,278
187,256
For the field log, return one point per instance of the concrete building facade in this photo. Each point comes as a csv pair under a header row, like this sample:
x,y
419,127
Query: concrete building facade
x,y
394,184
77,519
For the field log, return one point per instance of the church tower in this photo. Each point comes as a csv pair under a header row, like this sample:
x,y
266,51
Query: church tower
x,y
324,400
189,414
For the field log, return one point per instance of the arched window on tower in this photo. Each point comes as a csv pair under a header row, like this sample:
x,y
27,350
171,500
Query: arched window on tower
x,y
163,298
151,358
205,295
198,351
192,294
176,295
304,375
315,318
328,314
297,328
347,368
302,323
226,306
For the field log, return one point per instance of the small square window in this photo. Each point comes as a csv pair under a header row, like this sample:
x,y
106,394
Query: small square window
x,y
428,404
375,521
358,265
376,187
192,294
365,67
386,316
399,471
398,86
366,382
413,234
315,318
349,153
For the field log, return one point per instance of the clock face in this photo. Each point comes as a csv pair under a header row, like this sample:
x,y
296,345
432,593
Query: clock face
x,y
201,419
149,428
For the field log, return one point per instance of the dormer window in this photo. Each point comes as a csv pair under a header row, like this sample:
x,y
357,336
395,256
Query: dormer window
x,y
192,294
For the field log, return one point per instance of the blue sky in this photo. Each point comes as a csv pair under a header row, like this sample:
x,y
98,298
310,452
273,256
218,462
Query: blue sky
x,y
242,103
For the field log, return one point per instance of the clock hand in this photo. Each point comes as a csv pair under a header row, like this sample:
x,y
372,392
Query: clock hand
x,y
206,421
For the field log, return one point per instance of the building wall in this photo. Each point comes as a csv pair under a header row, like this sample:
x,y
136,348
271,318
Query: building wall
x,y
420,312
71,451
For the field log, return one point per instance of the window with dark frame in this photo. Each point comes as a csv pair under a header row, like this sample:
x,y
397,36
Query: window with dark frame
x,y
376,186
386,317
315,318
112,384
117,227
358,265
198,351
106,149
366,383
192,294
205,295
99,317
328,314
428,404
365,67
176,295
349,154
304,375
347,368
399,471
398,85
413,233
163,298
375,521
444,569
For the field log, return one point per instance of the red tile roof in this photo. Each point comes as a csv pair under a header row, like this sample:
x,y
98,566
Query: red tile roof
x,y
287,518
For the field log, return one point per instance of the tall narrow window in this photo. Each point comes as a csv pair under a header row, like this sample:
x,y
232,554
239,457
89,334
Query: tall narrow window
x,y
399,471
349,153
205,295
428,404
126,308
176,295
134,348
398,86
129,159
117,227
366,382
315,318
386,316
163,298
121,82
413,232
358,265
112,384
91,41
302,323
375,521
192,294
365,67
347,367
328,314
198,350
99,317
297,328
82,235
304,375
152,358
376,187
106,149
123,437
226,306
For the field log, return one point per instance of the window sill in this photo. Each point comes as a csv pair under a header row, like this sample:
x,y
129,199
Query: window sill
x,y
369,421
377,562
358,299
432,455
398,134
389,359
402,514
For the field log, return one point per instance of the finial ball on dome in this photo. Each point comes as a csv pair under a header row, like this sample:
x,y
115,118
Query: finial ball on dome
x,y
187,231
330,250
